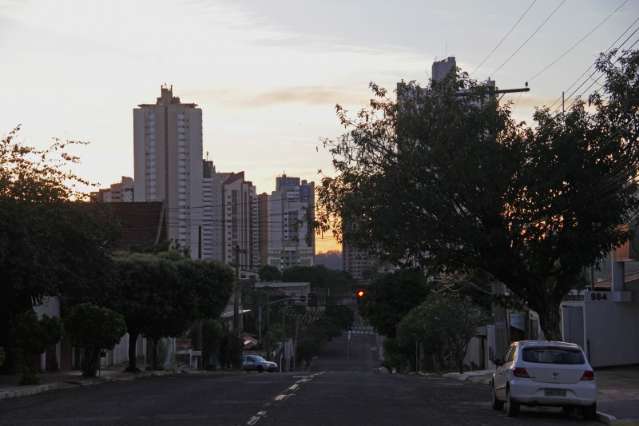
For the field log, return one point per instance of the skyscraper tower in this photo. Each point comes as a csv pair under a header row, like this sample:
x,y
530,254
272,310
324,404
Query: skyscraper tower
x,y
291,215
167,138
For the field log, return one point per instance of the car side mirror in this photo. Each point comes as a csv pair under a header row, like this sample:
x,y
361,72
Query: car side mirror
x,y
498,362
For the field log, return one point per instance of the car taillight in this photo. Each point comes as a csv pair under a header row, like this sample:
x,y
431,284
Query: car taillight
x,y
520,372
588,375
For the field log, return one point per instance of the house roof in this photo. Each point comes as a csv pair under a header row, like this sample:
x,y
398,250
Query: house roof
x,y
142,224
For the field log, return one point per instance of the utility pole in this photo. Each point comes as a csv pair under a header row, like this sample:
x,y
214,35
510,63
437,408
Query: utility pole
x,y
236,292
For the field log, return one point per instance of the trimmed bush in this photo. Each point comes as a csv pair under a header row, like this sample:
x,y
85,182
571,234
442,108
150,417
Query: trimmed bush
x,y
93,329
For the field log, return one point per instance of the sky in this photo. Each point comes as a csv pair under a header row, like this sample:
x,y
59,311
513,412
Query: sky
x,y
267,74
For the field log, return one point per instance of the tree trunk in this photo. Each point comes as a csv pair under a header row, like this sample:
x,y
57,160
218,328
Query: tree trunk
x,y
133,361
91,362
550,319
154,354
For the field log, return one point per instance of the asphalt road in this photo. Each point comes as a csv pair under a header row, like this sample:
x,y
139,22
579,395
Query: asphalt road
x,y
341,389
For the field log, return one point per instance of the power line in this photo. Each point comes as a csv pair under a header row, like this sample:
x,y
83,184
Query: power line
x,y
504,37
598,78
612,45
578,42
529,37
596,71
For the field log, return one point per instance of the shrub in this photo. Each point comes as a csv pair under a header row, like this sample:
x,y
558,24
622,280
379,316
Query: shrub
x,y
93,329
33,335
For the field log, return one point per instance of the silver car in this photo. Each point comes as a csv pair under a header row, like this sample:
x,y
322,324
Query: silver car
x,y
549,373
257,363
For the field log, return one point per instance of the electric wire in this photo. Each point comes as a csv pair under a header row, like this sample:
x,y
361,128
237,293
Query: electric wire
x,y
578,42
512,55
612,45
505,36
597,79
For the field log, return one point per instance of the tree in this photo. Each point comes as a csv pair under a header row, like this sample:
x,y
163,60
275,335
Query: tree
x,y
338,282
269,273
444,325
209,284
93,328
33,335
51,243
159,295
447,180
212,332
391,296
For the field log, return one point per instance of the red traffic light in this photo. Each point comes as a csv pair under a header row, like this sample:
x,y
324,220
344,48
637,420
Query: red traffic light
x,y
360,294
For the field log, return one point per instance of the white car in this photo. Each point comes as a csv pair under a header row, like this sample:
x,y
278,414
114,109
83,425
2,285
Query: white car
x,y
257,363
549,373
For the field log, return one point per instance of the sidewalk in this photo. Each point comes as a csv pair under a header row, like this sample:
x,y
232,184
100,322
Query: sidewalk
x,y
9,387
619,394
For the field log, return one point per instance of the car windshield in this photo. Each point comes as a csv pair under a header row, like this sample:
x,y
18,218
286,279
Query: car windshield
x,y
553,355
256,358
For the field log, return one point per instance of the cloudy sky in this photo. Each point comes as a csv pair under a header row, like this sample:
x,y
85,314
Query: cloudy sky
x,y
268,73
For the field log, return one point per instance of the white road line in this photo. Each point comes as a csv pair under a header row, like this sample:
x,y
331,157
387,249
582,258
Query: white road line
x,y
253,420
281,397
293,387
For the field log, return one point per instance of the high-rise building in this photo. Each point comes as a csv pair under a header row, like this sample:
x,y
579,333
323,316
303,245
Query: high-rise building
x,y
230,219
291,214
441,69
360,263
262,212
119,192
167,140
211,220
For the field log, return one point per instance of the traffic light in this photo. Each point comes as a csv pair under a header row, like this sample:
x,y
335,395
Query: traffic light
x,y
360,294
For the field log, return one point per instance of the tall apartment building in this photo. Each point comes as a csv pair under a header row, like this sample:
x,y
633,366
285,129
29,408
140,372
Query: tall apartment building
x,y
291,213
358,262
167,139
262,212
230,219
119,192
211,216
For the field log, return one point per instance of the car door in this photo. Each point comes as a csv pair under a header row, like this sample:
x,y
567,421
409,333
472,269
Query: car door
x,y
249,363
500,373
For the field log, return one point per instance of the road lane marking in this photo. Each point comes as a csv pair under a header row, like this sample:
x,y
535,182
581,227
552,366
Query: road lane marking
x,y
253,420
288,392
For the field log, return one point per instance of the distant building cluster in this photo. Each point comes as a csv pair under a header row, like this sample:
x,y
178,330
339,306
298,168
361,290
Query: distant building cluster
x,y
211,215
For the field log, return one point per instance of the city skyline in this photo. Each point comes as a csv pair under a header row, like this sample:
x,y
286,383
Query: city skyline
x,y
267,77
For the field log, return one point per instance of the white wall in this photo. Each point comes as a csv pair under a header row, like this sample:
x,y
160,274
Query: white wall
x,y
612,330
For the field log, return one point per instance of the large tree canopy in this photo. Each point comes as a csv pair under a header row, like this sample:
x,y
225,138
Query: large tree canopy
x,y
50,242
391,296
159,295
320,277
445,178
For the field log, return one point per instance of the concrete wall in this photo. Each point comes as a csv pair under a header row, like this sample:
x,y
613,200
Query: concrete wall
x,y
612,331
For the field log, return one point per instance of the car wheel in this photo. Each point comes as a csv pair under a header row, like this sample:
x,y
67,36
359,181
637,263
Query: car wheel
x,y
496,403
512,407
590,412
260,369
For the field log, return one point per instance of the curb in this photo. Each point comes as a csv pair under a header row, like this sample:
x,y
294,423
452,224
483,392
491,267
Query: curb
x,y
612,420
37,389
34,389
483,379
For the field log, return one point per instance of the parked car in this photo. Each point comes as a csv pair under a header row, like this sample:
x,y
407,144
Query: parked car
x,y
257,363
548,373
